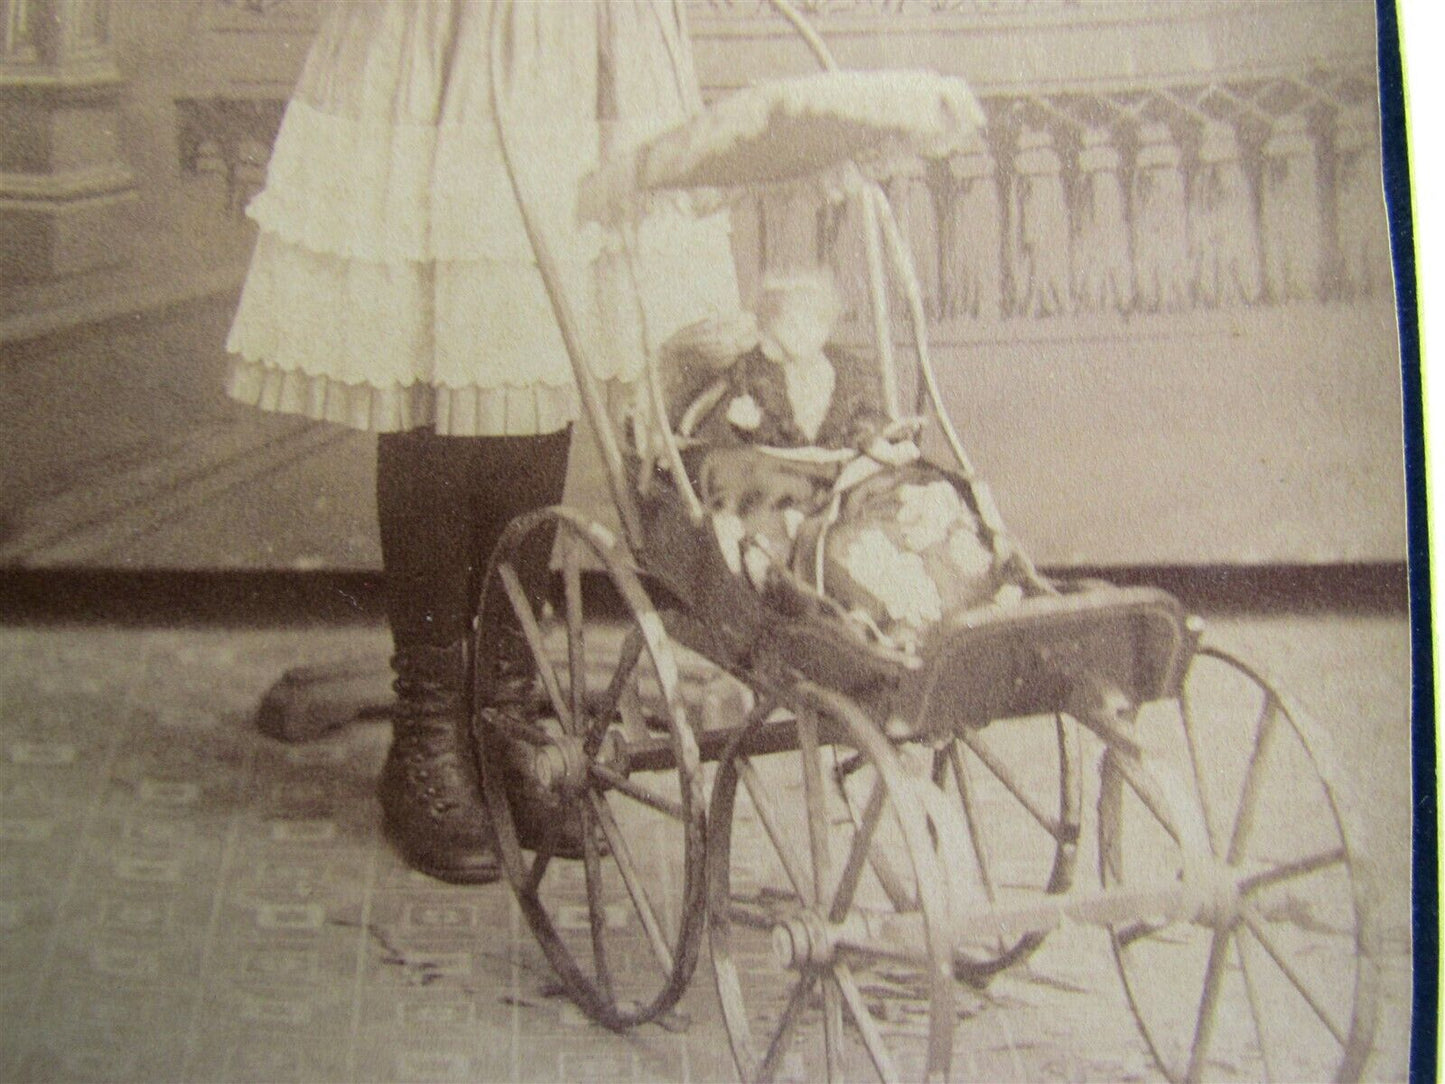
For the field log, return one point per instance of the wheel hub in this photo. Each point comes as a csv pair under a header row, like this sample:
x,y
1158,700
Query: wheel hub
x,y
560,764
1213,886
801,942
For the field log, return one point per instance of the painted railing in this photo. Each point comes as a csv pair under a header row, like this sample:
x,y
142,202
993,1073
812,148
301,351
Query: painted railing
x,y
1138,158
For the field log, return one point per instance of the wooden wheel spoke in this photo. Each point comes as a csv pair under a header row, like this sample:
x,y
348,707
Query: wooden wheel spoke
x,y
637,792
772,822
858,853
596,909
894,883
971,817
1111,807
1288,871
533,633
750,914
1256,928
1137,932
1001,772
1146,787
536,873
576,634
627,661
1196,766
821,992
778,1041
814,798
1208,1003
832,1030
894,874
636,889
1249,792
1255,1009
867,1026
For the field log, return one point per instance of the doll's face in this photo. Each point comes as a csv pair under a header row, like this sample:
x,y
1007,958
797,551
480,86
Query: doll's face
x,y
795,319
799,332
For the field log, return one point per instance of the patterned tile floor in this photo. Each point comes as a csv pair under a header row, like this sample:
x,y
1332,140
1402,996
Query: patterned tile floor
x,y
184,899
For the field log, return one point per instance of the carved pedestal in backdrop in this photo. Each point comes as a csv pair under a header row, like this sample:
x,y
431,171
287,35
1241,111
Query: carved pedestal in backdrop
x,y
64,187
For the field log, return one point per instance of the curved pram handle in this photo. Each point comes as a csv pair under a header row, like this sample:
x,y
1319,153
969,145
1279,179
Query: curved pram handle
x,y
854,111
568,323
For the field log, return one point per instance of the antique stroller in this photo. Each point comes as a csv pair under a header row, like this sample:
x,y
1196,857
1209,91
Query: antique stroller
x,y
868,833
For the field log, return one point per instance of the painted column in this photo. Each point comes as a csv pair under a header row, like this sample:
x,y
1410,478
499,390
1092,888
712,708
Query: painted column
x,y
64,190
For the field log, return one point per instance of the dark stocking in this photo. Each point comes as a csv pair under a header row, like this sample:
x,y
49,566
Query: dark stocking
x,y
442,503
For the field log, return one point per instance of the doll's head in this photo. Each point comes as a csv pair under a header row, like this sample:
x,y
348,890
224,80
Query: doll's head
x,y
796,314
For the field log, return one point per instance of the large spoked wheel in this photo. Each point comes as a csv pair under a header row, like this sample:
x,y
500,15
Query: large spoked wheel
x,y
621,926
828,932
1019,784
1276,979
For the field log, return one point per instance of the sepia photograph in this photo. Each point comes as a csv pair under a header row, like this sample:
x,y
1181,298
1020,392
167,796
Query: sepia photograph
x,y
708,540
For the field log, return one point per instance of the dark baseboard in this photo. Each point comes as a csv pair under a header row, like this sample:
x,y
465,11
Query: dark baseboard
x,y
1341,588
183,598
46,596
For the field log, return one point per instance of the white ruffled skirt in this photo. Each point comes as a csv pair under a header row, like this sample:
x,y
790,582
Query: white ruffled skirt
x,y
393,284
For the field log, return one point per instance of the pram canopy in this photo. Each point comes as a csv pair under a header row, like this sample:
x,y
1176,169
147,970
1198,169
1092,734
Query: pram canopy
x,y
787,129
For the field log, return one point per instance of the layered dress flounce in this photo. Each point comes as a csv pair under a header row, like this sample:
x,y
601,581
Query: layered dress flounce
x,y
393,284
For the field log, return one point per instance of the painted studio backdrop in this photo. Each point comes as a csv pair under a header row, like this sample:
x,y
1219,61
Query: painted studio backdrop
x,y
1159,286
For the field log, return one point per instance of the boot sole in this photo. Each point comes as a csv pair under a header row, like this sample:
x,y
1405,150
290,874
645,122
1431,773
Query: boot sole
x,y
484,870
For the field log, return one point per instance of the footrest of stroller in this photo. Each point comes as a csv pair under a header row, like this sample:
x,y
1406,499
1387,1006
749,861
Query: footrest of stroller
x,y
1024,660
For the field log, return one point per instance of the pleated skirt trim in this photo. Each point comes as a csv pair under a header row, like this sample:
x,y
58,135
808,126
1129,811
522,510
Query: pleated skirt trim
x,y
535,410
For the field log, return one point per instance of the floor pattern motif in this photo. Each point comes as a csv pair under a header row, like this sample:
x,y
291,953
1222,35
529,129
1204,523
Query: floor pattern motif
x,y
182,898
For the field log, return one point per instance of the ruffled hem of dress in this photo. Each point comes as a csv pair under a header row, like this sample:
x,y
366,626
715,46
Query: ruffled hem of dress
x,y
535,410
452,324
389,192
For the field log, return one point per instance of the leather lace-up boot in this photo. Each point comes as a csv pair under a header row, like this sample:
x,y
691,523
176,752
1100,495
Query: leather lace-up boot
x,y
430,796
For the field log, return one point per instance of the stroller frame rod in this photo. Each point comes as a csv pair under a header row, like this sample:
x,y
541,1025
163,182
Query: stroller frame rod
x,y
892,936
592,400
898,250
861,192
656,401
913,292
878,289
805,30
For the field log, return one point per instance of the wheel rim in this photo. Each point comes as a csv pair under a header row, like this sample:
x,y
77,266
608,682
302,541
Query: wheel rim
x,y
835,1013
1021,808
622,926
1282,986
